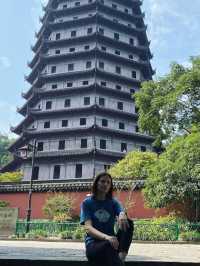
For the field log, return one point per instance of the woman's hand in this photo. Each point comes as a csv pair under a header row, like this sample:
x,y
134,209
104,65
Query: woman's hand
x,y
123,221
113,241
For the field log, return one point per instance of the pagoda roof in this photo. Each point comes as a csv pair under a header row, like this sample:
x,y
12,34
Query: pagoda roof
x,y
75,185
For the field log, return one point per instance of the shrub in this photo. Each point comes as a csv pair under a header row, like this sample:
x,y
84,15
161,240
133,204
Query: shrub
x,y
58,206
4,204
36,234
190,236
66,234
79,233
11,177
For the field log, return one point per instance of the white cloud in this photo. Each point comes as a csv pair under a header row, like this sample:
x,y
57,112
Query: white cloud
x,y
5,62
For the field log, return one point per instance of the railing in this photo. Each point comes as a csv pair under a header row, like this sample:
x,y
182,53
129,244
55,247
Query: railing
x,y
142,231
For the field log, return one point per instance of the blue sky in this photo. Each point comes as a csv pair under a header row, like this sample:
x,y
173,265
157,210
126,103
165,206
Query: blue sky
x,y
173,28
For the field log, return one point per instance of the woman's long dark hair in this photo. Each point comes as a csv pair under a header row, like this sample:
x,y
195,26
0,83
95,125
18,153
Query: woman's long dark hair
x,y
94,186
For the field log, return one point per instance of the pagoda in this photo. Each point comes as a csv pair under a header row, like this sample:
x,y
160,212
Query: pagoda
x,y
90,57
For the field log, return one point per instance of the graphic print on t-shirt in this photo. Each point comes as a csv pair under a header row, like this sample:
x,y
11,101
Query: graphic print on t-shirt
x,y
102,215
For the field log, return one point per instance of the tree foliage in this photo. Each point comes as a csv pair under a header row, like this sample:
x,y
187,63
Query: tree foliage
x,y
175,178
5,156
11,177
58,207
172,103
134,165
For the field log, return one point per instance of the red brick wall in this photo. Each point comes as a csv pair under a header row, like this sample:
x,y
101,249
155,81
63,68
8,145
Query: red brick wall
x,y
20,200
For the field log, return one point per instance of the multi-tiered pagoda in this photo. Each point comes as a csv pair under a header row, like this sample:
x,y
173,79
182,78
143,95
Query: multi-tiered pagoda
x,y
90,58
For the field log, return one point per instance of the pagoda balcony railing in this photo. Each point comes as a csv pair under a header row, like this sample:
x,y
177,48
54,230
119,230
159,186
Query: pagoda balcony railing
x,y
76,152
79,109
106,130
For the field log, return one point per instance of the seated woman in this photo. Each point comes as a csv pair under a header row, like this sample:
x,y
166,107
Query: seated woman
x,y
98,213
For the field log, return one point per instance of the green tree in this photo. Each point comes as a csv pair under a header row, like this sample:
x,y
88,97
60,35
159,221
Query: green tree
x,y
11,177
5,156
175,178
171,104
134,165
59,207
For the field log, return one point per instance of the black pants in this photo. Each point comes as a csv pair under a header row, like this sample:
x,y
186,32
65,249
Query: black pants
x,y
101,253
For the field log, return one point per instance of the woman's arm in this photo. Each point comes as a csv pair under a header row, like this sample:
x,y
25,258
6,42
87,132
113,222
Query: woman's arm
x,y
99,235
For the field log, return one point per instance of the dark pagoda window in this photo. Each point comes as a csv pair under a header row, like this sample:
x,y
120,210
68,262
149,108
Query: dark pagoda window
x,y
101,65
77,3
64,123
136,129
104,122
86,47
48,105
102,144
85,83
73,33
36,170
103,83
56,172
132,91
126,10
57,51
64,6
143,148
116,36
101,31
72,49
118,69
88,64
136,109
78,173
61,145
75,18
133,74
117,52
120,105
114,6
40,146
130,56
89,31
82,121
121,125
47,124
70,67
123,147
69,84
118,87
58,36
83,143
102,101
106,167
103,48
131,41
53,69
86,100
54,86
67,102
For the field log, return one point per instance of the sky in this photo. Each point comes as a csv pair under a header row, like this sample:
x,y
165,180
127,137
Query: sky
x,y
173,28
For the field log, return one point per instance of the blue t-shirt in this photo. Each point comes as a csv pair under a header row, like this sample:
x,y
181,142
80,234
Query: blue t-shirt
x,y
102,213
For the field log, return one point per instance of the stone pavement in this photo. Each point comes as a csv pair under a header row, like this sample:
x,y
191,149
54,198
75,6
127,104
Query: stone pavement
x,y
65,251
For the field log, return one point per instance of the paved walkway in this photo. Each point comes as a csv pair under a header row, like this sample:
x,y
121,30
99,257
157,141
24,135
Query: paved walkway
x,y
37,250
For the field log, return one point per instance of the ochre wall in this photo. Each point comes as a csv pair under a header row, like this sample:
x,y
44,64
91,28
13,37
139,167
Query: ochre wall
x,y
20,200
